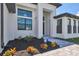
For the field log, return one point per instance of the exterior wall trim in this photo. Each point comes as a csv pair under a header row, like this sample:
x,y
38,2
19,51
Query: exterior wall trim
x,y
2,24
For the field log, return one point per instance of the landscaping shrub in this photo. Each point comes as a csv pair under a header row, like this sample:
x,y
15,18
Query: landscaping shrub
x,y
43,46
28,38
48,43
7,53
32,50
10,52
53,44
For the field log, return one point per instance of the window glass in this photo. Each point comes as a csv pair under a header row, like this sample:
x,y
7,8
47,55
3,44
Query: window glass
x,y
69,27
74,27
69,21
23,22
26,13
59,26
29,24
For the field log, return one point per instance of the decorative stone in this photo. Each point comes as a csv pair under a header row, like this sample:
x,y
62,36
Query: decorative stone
x,y
22,53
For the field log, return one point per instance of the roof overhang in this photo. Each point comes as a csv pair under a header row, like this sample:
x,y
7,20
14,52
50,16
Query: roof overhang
x,y
11,7
55,4
67,15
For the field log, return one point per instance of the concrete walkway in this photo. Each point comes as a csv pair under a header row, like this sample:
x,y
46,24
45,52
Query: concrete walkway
x,y
61,43
72,50
67,48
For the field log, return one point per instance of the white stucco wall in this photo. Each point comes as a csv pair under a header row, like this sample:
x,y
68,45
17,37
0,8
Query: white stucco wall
x,y
37,19
64,34
55,34
72,35
6,23
10,24
41,8
23,33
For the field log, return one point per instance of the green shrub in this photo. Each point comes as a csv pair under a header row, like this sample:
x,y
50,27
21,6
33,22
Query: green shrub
x,y
7,53
54,44
28,37
49,43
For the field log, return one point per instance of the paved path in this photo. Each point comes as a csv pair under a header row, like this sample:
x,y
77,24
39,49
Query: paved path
x,y
61,43
72,50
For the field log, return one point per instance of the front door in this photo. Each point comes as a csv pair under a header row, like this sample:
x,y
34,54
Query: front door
x,y
46,24
43,25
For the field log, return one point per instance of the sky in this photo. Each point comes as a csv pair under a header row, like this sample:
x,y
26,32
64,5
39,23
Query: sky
x,y
72,8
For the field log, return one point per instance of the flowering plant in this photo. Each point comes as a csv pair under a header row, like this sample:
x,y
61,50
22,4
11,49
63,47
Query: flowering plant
x,y
13,50
9,52
32,50
44,46
53,44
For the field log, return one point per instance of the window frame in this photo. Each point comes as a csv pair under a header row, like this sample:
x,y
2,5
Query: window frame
x,y
58,27
74,26
69,26
26,17
21,24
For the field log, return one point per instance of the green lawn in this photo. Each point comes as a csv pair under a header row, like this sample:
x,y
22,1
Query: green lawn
x,y
75,40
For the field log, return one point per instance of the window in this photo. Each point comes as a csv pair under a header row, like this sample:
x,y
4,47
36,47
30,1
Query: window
x,y
74,27
21,24
59,26
69,26
25,13
24,19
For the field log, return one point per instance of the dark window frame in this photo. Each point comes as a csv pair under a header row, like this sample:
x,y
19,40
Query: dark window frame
x,y
74,27
69,27
59,26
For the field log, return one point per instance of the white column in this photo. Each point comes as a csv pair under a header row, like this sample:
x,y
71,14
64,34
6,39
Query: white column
x,y
76,26
40,20
52,25
72,23
64,27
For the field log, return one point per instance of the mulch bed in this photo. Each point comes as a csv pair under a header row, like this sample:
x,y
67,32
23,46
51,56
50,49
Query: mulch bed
x,y
22,44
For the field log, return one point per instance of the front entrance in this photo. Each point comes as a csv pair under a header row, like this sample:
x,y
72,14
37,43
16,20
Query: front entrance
x,y
46,23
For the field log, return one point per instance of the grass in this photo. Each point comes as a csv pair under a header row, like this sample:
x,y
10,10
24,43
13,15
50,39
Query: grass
x,y
74,40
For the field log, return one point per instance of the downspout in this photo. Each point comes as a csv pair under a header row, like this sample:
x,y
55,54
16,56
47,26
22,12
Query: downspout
x,y
2,26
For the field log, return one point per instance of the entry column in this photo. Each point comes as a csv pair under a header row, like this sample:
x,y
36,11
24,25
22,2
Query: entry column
x,y
40,20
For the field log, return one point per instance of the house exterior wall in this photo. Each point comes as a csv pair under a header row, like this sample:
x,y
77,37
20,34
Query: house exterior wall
x,y
10,22
36,20
6,23
23,33
55,34
71,35
64,33
52,10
